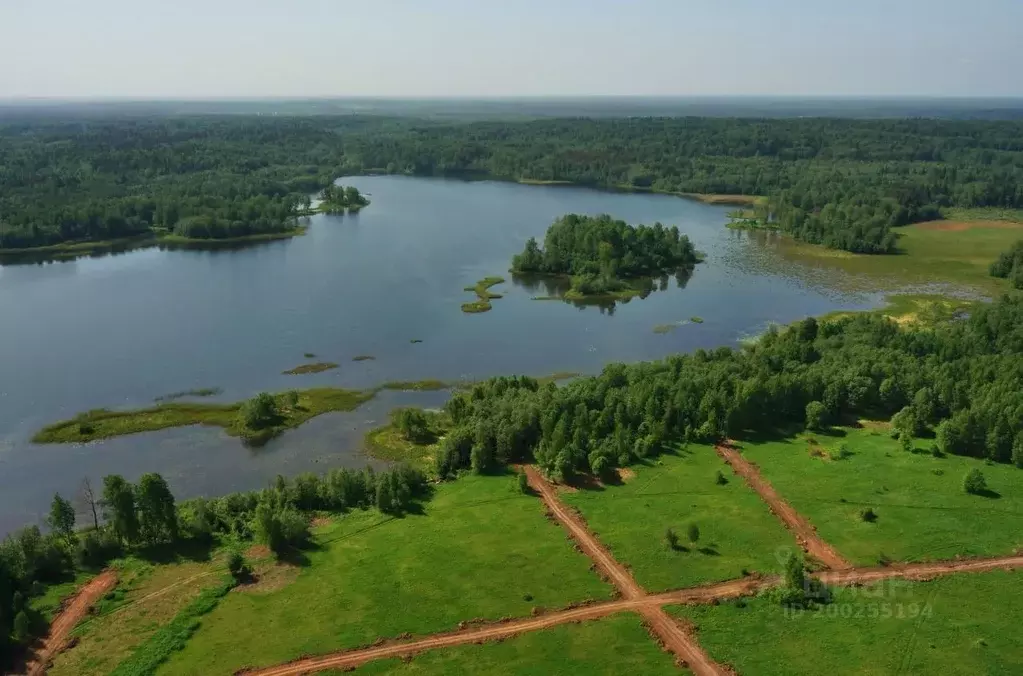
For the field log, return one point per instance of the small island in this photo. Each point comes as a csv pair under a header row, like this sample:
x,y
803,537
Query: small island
x,y
483,295
338,199
317,367
606,258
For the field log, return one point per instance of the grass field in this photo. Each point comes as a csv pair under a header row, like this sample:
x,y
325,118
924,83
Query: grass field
x,y
923,511
962,624
123,623
388,443
956,252
737,531
615,646
481,550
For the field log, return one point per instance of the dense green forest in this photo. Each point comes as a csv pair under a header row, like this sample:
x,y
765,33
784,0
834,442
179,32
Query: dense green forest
x,y
336,199
1010,265
842,183
144,519
600,253
961,381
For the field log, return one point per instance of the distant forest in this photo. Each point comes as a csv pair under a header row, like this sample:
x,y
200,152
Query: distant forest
x,y
847,184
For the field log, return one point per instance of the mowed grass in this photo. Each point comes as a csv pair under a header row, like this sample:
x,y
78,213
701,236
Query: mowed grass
x,y
923,511
957,252
617,645
962,624
147,597
737,531
481,550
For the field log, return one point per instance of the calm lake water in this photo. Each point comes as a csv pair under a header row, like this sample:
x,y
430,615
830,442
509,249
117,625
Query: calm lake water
x,y
121,330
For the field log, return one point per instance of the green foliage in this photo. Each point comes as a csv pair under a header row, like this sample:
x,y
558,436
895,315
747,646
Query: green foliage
x,y
600,253
412,424
974,482
693,533
800,590
523,483
815,415
280,528
720,479
338,199
157,516
237,566
868,514
62,518
260,411
173,636
671,539
1010,265
119,508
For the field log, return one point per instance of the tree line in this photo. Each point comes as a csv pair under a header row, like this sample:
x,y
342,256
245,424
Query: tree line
x,y
1010,265
842,183
961,382
123,518
600,252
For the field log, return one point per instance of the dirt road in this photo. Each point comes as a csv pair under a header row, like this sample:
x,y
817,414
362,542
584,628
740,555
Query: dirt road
x,y
918,570
661,624
66,620
650,607
804,531
615,572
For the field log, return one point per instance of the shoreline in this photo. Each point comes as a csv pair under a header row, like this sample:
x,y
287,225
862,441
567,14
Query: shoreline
x,y
73,250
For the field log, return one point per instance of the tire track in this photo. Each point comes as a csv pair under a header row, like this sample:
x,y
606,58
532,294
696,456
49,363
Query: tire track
x,y
806,534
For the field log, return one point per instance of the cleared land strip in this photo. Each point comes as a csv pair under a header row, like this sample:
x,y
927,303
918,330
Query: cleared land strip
x,y
804,531
76,609
664,627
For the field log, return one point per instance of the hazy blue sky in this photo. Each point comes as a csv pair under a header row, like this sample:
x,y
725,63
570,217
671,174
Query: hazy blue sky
x,y
225,48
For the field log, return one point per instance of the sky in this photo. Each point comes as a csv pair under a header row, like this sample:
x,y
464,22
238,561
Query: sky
x,y
496,48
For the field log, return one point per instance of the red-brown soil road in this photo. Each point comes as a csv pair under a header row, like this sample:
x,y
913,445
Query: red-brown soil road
x,y
804,531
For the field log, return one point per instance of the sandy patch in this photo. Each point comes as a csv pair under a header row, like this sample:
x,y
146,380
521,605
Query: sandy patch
x,y
625,474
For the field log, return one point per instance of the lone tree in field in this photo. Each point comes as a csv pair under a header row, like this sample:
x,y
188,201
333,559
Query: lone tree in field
x,y
693,532
671,539
524,483
815,413
974,482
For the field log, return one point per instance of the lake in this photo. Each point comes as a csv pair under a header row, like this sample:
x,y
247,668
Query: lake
x,y
121,330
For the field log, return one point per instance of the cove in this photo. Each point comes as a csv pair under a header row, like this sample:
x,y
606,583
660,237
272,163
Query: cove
x,y
122,330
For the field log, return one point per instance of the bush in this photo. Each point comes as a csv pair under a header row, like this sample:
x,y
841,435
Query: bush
x,y
868,515
524,483
412,424
238,567
720,479
693,532
974,482
671,539
96,548
815,413
260,411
